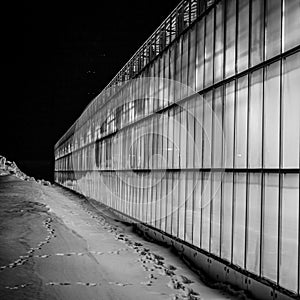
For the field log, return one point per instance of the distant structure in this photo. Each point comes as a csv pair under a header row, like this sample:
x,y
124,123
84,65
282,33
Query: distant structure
x,y
197,139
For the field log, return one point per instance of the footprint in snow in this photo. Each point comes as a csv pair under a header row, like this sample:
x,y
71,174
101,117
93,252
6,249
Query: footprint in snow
x,y
119,283
51,283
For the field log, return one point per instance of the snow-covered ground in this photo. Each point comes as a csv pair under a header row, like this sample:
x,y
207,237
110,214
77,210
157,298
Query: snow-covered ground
x,y
57,245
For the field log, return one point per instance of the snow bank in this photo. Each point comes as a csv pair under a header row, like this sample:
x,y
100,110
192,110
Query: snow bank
x,y
10,168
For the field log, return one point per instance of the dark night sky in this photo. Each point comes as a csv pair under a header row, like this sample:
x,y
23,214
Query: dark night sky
x,y
66,55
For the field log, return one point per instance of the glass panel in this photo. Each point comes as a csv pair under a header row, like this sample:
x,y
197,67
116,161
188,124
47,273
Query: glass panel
x,y
172,75
205,205
176,128
291,111
192,60
239,219
217,128
178,69
154,145
197,210
289,232
170,139
182,200
200,55
255,120
150,199
254,223
190,133
198,132
153,199
183,136
160,141
230,38
215,216
257,32
160,81
165,140
273,27
184,65
241,123
156,83
243,35
189,207
169,200
219,43
270,227
158,199
227,194
175,204
229,125
271,116
207,130
209,42
148,145
291,24
163,201
144,199
166,78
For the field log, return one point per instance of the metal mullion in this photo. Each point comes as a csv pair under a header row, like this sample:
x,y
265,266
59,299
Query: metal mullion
x,y
193,162
262,144
166,176
188,60
167,93
222,164
236,36
226,170
186,142
161,188
171,206
247,165
280,151
212,176
134,196
179,174
299,232
187,149
150,187
248,113
212,126
214,44
233,174
178,195
146,194
202,159
141,198
172,117
158,185
179,135
154,167
167,155
193,206
190,12
156,103
203,48
181,59
185,200
151,173
263,175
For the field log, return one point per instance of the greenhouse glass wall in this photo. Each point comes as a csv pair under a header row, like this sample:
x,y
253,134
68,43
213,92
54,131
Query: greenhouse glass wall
x,y
198,136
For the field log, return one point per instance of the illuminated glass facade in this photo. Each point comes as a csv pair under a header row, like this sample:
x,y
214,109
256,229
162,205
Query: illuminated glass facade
x,y
198,135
